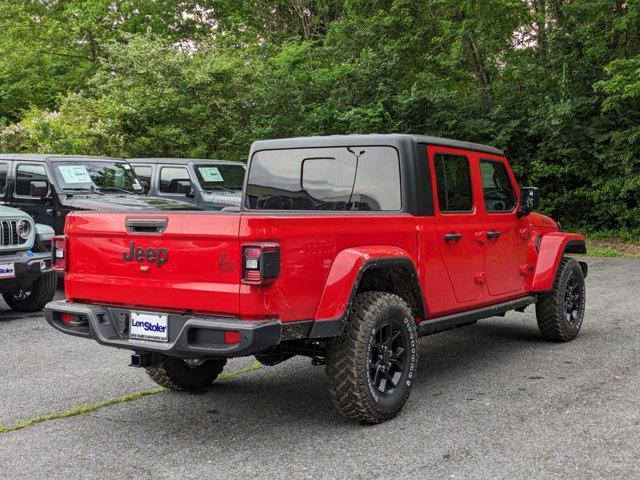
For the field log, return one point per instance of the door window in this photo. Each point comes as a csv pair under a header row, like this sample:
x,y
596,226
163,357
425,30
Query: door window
x,y
143,172
453,177
169,178
4,169
27,173
499,194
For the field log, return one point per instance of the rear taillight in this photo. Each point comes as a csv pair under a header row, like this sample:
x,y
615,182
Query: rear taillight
x,y
260,263
59,253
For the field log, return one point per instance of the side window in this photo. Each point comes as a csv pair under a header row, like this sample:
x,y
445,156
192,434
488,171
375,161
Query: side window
x,y
27,173
143,172
499,194
169,178
4,169
453,177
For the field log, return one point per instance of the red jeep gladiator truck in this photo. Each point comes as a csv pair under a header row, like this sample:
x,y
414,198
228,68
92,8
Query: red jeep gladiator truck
x,y
346,249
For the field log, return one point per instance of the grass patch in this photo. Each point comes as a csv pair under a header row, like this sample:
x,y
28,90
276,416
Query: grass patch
x,y
612,247
90,407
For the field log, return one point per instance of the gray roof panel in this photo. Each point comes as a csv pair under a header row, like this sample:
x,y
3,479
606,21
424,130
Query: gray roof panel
x,y
372,139
181,161
41,157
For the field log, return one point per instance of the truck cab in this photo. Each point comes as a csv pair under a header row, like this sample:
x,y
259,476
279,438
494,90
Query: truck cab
x,y
346,249
209,184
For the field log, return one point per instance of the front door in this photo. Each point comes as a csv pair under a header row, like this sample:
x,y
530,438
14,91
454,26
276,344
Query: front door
x,y
41,209
459,222
168,184
506,250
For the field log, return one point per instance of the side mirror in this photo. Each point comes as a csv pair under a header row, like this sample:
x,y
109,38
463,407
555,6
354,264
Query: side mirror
x,y
145,186
38,188
185,187
529,200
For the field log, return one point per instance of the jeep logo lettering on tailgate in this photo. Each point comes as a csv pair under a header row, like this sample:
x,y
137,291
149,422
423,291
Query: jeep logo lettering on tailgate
x,y
159,256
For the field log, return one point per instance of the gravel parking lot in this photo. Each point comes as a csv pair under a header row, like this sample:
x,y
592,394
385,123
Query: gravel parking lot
x,y
492,401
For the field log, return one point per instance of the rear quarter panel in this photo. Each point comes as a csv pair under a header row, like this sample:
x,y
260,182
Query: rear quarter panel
x,y
310,244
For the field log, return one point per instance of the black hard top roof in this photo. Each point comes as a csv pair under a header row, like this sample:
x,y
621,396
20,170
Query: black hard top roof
x,y
372,139
41,157
182,161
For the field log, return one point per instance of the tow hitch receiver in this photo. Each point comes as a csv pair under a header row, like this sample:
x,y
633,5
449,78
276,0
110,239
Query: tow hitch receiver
x,y
146,359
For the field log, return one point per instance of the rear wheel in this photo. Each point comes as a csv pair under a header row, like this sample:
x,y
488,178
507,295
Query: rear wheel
x,y
560,311
35,297
186,374
372,365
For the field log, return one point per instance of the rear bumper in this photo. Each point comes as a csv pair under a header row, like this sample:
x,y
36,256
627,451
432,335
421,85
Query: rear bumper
x,y
190,336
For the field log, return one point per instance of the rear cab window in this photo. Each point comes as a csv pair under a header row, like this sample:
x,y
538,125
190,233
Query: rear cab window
x,y
352,178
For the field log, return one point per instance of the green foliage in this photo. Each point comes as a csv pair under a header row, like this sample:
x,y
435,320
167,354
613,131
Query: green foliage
x,y
554,83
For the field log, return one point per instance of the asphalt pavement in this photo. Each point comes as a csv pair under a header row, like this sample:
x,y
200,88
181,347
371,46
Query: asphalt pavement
x,y
491,401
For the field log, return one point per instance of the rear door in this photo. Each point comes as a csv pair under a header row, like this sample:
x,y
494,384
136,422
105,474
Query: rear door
x,y
506,250
459,221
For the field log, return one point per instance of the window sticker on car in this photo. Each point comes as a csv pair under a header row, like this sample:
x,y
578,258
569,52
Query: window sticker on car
x,y
74,173
211,174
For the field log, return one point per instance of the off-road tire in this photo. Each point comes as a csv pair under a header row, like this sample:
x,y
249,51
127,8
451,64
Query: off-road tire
x,y
348,369
42,292
175,374
550,308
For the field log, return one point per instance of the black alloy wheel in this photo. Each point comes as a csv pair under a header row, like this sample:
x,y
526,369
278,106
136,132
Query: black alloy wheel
x,y
387,358
572,300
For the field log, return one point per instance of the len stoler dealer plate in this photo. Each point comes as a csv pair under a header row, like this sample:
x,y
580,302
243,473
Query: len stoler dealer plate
x,y
149,326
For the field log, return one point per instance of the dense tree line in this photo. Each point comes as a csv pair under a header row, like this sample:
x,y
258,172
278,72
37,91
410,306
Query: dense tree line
x,y
556,83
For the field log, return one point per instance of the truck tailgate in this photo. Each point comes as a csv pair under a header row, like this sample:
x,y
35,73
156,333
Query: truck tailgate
x,y
176,261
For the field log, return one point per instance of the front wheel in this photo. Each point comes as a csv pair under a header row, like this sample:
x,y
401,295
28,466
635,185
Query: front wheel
x,y
35,297
186,374
560,311
372,365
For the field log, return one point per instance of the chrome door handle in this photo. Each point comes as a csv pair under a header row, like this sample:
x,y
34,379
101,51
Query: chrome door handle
x,y
492,234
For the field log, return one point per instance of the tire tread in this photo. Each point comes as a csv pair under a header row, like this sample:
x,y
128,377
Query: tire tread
x,y
349,393
549,313
43,291
165,375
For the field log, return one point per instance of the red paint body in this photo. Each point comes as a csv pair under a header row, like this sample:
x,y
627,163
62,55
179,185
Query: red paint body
x,y
321,256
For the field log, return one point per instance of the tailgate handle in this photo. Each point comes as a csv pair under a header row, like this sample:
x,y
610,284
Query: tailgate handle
x,y
147,225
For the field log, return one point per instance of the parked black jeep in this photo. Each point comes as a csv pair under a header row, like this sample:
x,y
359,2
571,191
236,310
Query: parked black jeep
x,y
48,187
